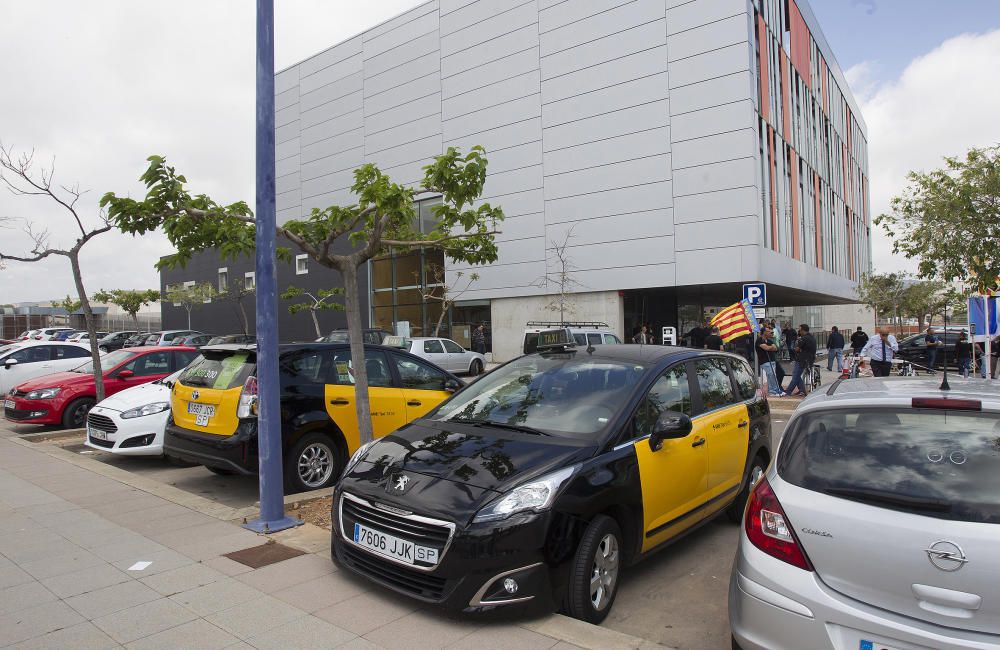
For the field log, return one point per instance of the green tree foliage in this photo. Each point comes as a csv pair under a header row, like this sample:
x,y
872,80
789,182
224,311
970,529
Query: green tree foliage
x,y
383,219
69,304
130,300
190,297
883,292
315,302
949,220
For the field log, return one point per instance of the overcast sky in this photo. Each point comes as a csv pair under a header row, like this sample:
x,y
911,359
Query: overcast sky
x,y
102,84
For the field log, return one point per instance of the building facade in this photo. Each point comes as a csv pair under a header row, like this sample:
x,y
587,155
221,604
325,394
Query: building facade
x,y
650,156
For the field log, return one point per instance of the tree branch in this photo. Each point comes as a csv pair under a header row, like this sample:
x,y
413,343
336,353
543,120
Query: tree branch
x,y
435,242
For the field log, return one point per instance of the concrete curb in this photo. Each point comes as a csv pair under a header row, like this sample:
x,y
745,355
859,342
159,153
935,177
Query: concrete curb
x,y
586,635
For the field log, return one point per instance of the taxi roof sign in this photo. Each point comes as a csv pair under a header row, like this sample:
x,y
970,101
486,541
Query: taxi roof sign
x,y
396,342
555,339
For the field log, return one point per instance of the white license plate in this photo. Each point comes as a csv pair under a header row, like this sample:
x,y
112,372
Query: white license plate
x,y
97,434
207,410
8,403
201,420
864,644
393,547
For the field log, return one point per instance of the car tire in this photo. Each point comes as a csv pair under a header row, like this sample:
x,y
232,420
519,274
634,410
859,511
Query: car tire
x,y
736,646
313,463
735,510
75,415
221,471
476,368
598,556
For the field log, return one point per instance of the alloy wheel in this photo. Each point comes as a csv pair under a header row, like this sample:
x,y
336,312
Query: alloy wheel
x,y
604,574
315,465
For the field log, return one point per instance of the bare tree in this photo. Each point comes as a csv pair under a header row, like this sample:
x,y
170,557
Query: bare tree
x,y
322,299
561,278
446,293
235,293
190,297
18,174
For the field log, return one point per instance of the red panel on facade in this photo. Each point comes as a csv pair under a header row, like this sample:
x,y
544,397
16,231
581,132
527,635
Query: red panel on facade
x,y
786,113
765,70
799,42
774,194
794,162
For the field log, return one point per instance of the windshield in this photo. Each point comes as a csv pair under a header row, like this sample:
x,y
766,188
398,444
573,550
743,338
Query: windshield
x,y
936,463
336,337
560,394
108,361
220,371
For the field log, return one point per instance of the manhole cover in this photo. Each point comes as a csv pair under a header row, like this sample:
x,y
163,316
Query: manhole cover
x,y
265,554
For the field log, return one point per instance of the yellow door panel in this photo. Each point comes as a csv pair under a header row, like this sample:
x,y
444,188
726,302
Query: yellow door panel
x,y
673,484
387,408
420,402
222,422
727,446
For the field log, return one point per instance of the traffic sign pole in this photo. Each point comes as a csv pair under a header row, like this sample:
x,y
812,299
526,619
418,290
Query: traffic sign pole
x,y
272,503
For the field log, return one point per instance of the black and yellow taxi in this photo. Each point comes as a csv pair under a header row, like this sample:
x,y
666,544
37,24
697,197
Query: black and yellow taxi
x,y
213,419
534,486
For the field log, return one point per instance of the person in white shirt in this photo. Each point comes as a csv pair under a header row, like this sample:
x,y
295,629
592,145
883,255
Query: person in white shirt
x,y
880,350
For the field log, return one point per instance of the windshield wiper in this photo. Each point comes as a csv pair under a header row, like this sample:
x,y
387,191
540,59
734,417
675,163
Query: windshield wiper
x,y
878,496
502,425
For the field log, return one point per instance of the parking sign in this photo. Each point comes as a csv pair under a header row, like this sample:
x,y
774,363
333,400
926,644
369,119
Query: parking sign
x,y
755,294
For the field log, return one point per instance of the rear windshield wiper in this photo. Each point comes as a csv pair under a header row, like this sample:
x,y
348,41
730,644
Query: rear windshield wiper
x,y
888,498
503,425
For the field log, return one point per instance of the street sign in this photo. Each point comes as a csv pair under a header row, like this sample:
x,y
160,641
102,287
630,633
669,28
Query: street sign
x,y
758,313
755,293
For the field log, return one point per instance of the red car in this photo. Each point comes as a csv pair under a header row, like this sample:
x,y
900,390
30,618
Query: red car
x,y
66,397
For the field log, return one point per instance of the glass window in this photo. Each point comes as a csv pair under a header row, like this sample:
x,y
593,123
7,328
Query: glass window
x,y
250,280
417,375
408,271
184,358
713,383
935,463
221,371
376,366
382,273
108,361
744,379
70,352
433,347
452,347
594,339
304,366
301,264
611,339
33,354
670,392
223,279
156,363
426,216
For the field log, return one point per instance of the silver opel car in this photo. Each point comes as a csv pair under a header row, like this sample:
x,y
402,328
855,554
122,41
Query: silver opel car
x,y
877,526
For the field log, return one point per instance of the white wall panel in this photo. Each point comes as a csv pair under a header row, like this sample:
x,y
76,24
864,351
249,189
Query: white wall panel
x,y
506,113
287,98
330,74
729,59
700,12
621,148
722,146
715,176
514,157
651,196
525,201
286,131
486,29
498,137
710,121
719,233
516,180
403,93
330,128
712,92
327,183
286,80
394,77
286,149
419,47
620,44
474,12
522,250
352,103
517,87
628,277
328,57
286,115
602,75
521,227
418,150
287,165
565,13
713,205
709,37
347,159
406,32
630,120
507,67
343,87
616,19
333,145
608,177
622,254
403,134
409,112
500,47
606,100
616,227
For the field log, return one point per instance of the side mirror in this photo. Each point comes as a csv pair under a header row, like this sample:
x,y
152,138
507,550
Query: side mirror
x,y
125,374
452,385
671,425
9,363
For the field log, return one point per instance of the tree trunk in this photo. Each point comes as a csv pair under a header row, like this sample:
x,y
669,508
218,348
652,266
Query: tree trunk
x,y
445,306
246,323
135,319
189,316
88,317
312,312
355,331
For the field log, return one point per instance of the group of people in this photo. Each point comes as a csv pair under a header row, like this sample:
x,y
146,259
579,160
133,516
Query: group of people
x,y
802,350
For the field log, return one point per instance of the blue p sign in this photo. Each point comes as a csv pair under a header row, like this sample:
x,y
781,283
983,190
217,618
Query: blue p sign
x,y
755,294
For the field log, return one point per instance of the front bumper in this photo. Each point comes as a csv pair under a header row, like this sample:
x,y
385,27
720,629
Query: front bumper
x,y
142,436
774,606
237,452
472,568
35,411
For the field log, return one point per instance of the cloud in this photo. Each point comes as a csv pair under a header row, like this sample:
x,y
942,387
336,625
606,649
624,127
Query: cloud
x,y
869,6
942,104
101,85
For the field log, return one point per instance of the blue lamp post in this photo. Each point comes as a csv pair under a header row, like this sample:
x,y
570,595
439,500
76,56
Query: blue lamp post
x,y
272,504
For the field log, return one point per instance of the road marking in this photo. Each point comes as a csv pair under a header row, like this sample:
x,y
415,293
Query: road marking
x,y
139,566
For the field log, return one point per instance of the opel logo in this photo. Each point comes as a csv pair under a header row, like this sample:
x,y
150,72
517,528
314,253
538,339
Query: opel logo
x,y
195,394
945,555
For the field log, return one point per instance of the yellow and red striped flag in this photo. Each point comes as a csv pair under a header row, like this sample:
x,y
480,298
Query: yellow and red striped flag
x,y
735,321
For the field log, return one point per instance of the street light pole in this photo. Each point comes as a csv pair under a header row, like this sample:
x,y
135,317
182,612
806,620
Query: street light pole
x,y
272,503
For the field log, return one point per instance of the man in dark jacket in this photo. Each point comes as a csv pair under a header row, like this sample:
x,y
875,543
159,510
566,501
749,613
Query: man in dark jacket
x,y
835,348
789,335
713,341
805,357
859,340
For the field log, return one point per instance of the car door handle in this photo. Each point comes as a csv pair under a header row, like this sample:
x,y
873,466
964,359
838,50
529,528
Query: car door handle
x,y
414,402
743,424
698,443
340,402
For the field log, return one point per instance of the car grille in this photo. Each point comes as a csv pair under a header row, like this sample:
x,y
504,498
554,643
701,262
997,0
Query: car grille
x,y
101,422
107,444
418,532
395,576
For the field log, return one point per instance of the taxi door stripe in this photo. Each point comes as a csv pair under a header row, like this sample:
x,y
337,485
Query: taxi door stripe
x,y
662,527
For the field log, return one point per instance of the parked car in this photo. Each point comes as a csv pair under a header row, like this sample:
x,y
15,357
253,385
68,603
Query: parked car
x,y
583,333
115,340
233,339
192,341
26,360
84,337
537,484
166,337
136,340
214,419
66,397
877,524
447,354
64,335
26,335
131,422
47,333
373,336
914,349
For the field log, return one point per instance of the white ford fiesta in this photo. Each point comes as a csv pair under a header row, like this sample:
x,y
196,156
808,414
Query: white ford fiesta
x,y
131,423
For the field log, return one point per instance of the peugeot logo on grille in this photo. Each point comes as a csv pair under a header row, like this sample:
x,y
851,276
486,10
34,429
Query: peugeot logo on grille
x,y
195,394
945,555
398,483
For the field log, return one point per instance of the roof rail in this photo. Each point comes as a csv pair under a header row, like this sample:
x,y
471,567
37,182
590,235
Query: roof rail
x,y
833,387
577,324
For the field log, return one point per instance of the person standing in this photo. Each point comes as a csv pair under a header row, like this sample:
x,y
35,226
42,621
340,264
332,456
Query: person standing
x,y
933,342
767,351
479,339
963,354
697,336
858,341
835,348
881,350
805,357
789,335
713,341
642,336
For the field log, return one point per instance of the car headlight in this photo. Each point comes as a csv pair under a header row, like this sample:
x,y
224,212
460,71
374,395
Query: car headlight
x,y
148,409
44,393
356,456
536,495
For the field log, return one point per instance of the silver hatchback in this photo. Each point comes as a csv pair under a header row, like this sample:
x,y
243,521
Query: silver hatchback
x,y
877,527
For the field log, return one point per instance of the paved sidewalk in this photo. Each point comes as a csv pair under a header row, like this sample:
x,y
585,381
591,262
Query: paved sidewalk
x,y
69,579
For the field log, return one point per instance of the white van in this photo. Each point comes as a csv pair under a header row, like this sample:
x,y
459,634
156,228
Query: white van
x,y
584,333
